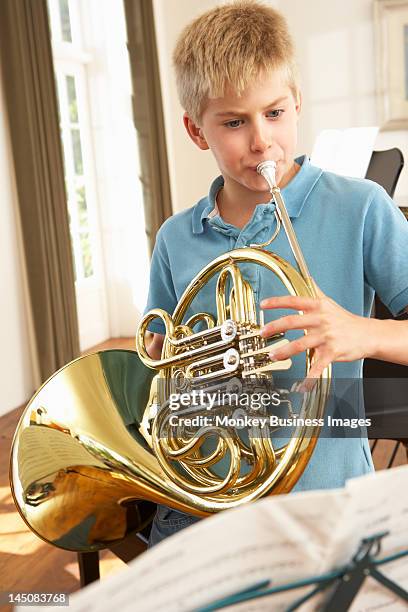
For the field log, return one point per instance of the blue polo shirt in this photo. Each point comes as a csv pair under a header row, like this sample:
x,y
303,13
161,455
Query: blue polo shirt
x,y
355,242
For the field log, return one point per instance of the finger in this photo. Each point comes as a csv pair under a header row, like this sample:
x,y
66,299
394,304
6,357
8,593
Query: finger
x,y
289,322
295,347
313,376
307,385
290,301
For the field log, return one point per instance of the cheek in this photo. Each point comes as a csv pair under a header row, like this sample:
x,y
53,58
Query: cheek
x,y
232,144
227,149
287,138
291,131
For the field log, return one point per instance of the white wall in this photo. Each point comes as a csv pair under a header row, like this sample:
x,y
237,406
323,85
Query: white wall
x,y
336,55
335,50
16,377
191,170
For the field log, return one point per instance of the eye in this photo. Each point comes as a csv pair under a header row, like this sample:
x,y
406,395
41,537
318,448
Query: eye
x,y
275,114
234,123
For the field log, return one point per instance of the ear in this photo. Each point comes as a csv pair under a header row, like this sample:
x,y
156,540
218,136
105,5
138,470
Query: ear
x,y
195,132
298,102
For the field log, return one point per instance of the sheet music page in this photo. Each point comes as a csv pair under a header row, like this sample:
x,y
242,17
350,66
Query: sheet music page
x,y
378,503
347,152
282,539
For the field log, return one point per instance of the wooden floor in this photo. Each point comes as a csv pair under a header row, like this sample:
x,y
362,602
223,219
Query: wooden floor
x,y
27,563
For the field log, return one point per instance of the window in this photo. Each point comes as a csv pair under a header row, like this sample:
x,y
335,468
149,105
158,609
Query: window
x,y
65,21
69,62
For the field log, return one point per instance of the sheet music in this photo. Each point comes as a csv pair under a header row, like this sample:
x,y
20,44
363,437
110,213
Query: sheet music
x,y
347,152
283,539
377,502
381,505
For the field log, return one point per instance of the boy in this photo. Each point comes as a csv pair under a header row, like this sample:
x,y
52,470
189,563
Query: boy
x,y
237,82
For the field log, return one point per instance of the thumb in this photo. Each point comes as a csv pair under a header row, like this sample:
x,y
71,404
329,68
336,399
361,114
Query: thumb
x,y
319,292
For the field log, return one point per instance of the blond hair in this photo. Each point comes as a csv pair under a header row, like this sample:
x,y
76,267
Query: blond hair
x,y
231,45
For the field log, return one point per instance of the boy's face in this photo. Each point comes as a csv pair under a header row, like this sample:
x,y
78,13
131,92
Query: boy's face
x,y
243,131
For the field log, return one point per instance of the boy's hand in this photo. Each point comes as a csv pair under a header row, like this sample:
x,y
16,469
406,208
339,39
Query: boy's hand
x,y
334,333
154,349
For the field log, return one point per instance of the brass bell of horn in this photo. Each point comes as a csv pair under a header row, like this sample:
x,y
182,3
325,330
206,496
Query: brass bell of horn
x,y
99,436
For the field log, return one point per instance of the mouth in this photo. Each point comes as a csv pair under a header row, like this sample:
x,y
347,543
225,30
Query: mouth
x,y
255,167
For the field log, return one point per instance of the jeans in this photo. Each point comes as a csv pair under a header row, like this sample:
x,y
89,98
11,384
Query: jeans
x,y
167,522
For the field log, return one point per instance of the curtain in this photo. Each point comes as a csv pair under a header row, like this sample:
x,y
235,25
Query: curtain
x,y
148,114
30,93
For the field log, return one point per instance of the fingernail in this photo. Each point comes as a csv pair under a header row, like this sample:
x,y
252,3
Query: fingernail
x,y
272,356
263,304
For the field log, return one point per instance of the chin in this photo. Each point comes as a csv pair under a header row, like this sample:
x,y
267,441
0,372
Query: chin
x,y
258,189
254,182
259,184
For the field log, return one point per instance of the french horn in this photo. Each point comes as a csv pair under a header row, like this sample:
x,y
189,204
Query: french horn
x,y
98,441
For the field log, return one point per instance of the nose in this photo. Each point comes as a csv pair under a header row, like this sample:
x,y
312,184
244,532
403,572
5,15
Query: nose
x,y
260,139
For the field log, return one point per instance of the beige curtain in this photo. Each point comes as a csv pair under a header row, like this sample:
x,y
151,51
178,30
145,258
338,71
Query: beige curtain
x,y
148,114
28,82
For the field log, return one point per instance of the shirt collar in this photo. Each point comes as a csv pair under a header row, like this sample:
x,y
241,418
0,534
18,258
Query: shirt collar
x,y
295,194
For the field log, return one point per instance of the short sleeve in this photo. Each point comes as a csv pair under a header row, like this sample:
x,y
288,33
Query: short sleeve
x,y
161,287
385,246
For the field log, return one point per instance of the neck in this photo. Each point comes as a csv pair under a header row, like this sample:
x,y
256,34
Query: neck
x,y
233,193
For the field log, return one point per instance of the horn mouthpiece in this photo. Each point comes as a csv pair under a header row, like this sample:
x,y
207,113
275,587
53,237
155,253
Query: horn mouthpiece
x,y
267,169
